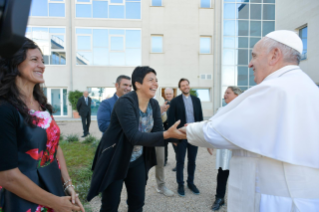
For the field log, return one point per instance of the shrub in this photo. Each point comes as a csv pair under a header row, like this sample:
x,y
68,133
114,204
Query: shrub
x,y
89,139
72,138
61,137
74,97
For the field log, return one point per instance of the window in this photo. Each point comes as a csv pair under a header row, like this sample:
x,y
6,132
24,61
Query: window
x,y
157,44
245,22
98,94
51,42
157,3
303,34
113,9
202,93
205,45
57,97
205,3
48,8
108,47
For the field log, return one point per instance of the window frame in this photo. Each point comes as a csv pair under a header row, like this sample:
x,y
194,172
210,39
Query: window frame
x,y
109,47
210,5
108,9
49,98
162,3
55,1
49,38
151,47
48,16
118,4
77,2
304,56
91,43
210,48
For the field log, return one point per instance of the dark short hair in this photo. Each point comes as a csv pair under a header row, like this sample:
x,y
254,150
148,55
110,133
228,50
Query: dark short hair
x,y
181,80
139,73
119,78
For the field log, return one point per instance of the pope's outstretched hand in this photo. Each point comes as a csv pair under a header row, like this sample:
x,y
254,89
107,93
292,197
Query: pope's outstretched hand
x,y
183,130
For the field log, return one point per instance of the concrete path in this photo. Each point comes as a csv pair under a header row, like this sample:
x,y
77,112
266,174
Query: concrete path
x,y
205,180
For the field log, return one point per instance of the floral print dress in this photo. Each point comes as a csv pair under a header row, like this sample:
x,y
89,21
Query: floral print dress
x,y
37,149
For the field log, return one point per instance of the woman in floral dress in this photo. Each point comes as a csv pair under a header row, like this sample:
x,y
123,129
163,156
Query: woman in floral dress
x,y
33,173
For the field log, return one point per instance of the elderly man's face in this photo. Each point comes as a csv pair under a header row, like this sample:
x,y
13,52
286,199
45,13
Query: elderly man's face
x,y
85,94
259,62
169,95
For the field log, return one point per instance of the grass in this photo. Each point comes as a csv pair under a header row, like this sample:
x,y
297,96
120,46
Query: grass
x,y
79,158
72,138
89,139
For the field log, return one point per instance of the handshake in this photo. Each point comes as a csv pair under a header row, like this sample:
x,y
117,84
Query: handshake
x,y
173,132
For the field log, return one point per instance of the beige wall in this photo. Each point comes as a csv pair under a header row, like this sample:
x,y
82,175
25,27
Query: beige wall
x,y
181,22
293,14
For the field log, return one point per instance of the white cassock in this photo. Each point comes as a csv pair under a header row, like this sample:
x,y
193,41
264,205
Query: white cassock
x,y
273,130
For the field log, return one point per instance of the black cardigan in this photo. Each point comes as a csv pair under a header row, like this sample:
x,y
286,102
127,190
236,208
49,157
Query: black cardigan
x,y
112,158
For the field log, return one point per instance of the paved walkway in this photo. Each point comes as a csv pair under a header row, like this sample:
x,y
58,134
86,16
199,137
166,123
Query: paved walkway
x,y
205,180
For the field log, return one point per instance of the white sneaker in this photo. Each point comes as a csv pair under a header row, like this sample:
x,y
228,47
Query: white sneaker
x,y
164,190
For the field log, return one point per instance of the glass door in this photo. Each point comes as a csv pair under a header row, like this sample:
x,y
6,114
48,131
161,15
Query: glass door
x,y
57,97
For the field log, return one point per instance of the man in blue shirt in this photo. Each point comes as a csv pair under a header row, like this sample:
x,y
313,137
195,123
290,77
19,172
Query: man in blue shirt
x,y
123,85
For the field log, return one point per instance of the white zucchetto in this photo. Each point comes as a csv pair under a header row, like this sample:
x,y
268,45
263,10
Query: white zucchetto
x,y
288,38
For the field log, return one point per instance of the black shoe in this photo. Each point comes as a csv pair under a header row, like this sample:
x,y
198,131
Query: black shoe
x,y
181,190
174,169
193,188
84,136
219,202
88,134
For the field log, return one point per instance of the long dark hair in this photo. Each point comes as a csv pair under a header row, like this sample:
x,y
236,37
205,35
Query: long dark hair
x,y
8,88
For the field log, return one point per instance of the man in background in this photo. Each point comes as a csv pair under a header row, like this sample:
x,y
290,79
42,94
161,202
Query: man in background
x,y
84,108
188,109
123,85
168,96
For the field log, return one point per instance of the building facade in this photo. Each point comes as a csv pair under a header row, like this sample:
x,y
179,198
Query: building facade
x,y
303,18
88,43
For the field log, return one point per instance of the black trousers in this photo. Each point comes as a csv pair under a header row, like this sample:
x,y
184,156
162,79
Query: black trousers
x,y
86,121
222,177
191,155
135,185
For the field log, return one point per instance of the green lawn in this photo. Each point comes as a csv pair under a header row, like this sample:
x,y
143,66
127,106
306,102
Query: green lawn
x,y
79,158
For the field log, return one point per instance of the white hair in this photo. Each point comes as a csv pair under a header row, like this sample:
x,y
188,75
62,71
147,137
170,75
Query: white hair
x,y
167,89
235,89
289,54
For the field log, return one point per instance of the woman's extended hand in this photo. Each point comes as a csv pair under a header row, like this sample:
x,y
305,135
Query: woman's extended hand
x,y
75,198
173,132
63,204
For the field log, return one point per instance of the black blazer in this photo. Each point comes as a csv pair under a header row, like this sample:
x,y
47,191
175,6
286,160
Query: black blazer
x,y
177,110
81,106
112,158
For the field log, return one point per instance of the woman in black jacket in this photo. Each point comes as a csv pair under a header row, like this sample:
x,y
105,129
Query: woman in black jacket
x,y
126,151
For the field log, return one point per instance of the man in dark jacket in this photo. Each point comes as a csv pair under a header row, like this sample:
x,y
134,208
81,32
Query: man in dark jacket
x,y
188,109
84,108
123,85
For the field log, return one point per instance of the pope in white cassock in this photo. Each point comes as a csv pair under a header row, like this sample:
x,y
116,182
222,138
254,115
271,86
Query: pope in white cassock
x,y
273,130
